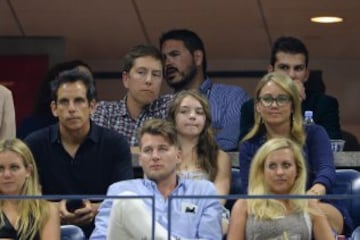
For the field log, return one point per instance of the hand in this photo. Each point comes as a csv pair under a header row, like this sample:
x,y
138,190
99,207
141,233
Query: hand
x,y
313,201
316,189
301,89
80,217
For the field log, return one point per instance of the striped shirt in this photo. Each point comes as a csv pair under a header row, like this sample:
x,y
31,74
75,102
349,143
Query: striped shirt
x,y
225,102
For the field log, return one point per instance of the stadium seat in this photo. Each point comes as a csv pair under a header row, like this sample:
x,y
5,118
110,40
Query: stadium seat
x,y
356,234
71,232
235,187
348,182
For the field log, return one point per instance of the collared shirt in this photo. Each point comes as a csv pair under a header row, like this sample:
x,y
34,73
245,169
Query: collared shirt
x,y
225,102
103,158
203,223
115,115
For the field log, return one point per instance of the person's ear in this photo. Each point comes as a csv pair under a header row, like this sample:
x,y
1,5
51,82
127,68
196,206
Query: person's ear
x,y
29,170
125,79
178,156
307,75
139,161
270,68
53,107
257,106
198,57
92,106
138,155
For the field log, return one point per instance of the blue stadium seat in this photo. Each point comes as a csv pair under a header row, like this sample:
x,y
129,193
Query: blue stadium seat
x,y
356,234
235,187
348,182
71,232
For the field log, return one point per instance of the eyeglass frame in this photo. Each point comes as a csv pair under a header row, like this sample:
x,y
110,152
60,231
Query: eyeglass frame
x,y
280,100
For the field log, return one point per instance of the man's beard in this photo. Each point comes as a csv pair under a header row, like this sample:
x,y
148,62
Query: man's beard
x,y
188,78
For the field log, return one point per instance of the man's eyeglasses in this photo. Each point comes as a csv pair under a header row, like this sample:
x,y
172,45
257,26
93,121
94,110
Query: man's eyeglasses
x,y
280,100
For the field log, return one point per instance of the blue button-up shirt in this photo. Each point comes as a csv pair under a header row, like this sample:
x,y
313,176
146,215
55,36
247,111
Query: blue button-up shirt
x,y
225,102
203,223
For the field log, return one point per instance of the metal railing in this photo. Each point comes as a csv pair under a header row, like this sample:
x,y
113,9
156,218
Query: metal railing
x,y
172,198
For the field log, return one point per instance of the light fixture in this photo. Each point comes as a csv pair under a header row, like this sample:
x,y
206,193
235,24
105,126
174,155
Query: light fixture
x,y
327,19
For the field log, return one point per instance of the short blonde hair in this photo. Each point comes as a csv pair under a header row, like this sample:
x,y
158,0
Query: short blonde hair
x,y
160,127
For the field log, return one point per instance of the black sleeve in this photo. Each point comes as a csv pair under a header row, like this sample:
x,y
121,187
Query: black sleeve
x,y
328,116
247,117
122,168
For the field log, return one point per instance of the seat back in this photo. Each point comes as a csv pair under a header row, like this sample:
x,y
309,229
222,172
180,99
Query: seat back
x,y
71,232
235,187
348,182
356,234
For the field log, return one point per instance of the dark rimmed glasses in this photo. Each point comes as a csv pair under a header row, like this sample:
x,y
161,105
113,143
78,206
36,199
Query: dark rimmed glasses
x,y
280,100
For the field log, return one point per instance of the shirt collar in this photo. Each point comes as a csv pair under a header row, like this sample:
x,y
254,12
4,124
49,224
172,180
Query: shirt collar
x,y
123,108
93,134
150,108
152,185
205,87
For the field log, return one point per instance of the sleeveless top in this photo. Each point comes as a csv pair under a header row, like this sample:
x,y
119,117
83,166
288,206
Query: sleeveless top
x,y
8,231
294,226
193,174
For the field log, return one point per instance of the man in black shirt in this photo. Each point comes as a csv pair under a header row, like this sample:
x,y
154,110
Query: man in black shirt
x,y
76,156
290,56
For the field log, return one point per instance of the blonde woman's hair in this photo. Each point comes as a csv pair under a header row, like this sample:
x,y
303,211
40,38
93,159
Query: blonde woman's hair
x,y
206,148
297,132
270,208
33,213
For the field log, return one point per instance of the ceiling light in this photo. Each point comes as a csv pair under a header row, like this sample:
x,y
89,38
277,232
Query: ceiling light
x,y
327,19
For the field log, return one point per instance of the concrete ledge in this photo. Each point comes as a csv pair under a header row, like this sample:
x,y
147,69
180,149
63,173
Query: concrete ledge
x,y
342,159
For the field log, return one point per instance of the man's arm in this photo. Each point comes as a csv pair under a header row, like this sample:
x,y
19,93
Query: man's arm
x,y
102,218
121,167
210,220
328,116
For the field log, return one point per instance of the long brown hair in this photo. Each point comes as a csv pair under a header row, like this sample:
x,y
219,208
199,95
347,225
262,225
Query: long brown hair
x,y
207,148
